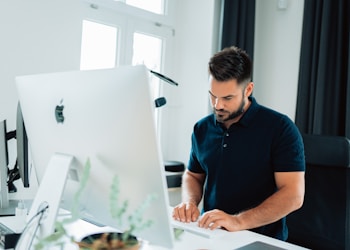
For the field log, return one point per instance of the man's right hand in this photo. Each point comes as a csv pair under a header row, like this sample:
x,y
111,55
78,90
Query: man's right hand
x,y
186,212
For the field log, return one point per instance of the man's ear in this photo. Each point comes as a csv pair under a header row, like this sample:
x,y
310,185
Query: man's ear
x,y
249,89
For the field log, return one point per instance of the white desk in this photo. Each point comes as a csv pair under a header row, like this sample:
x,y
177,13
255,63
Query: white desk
x,y
187,241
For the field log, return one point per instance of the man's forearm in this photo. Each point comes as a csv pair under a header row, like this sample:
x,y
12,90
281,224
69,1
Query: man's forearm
x,y
192,188
271,210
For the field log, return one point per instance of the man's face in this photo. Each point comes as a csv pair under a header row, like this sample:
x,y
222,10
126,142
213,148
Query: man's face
x,y
228,99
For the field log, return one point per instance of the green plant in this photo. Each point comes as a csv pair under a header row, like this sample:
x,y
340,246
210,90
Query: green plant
x,y
118,211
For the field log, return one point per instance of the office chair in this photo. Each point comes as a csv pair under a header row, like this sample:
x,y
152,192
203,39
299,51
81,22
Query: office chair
x,y
323,222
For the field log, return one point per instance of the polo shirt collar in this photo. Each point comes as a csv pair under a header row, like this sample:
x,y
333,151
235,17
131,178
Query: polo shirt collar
x,y
248,116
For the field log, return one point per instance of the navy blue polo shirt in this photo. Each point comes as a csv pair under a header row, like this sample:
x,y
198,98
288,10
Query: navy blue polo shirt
x,y
240,162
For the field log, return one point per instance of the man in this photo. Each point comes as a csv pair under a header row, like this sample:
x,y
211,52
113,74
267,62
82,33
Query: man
x,y
246,159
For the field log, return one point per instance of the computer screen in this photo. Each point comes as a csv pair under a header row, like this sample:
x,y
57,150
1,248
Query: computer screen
x,y
20,170
106,116
22,148
4,205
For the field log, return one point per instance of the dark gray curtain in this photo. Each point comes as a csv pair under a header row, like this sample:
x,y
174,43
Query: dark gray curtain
x,y
238,24
323,103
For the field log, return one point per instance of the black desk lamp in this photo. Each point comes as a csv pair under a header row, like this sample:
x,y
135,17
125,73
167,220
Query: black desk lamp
x,y
161,101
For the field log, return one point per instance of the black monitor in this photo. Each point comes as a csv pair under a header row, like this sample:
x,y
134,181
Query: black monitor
x,y
19,171
3,168
22,149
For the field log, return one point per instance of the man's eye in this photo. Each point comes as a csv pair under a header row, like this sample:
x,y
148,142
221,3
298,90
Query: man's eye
x,y
228,98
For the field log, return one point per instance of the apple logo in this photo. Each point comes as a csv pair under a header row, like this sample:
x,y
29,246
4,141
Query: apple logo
x,y
59,112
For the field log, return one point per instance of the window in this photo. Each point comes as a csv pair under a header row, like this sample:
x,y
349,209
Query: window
x,y
98,47
121,34
147,50
156,6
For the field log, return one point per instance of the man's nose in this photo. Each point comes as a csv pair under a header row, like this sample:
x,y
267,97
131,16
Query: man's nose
x,y
218,104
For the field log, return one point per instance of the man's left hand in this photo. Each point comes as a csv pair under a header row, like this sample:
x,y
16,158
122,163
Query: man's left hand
x,y
218,219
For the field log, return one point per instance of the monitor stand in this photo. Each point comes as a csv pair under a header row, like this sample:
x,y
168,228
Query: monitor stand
x,y
46,202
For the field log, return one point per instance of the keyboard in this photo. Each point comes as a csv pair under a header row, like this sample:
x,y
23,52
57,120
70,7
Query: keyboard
x,y
192,227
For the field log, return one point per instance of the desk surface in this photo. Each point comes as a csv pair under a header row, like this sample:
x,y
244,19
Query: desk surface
x,y
187,241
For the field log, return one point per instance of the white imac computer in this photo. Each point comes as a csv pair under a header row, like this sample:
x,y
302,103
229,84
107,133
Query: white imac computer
x,y
106,116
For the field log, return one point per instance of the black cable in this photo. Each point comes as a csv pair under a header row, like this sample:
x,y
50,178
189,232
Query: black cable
x,y
37,227
13,174
40,212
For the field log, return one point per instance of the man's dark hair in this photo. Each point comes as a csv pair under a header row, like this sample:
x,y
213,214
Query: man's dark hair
x,y
231,63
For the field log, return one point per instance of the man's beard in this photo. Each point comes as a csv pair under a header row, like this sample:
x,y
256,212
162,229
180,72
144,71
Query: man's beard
x,y
232,115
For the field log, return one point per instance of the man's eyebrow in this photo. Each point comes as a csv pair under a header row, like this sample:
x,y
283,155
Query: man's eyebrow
x,y
211,93
232,95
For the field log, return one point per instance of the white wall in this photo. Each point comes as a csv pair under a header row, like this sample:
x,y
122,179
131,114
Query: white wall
x,y
276,54
36,36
